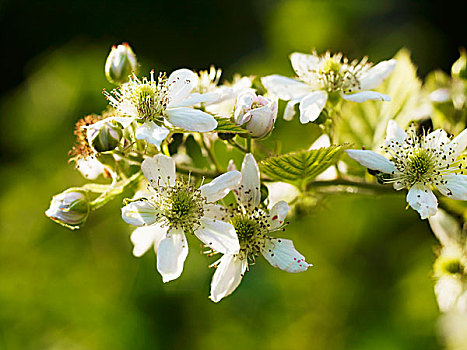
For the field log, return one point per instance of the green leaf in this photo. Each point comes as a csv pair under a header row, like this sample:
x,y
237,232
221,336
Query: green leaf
x,y
226,126
300,168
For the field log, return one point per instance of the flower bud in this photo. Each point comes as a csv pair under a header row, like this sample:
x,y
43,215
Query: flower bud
x,y
459,68
120,64
69,208
104,135
256,113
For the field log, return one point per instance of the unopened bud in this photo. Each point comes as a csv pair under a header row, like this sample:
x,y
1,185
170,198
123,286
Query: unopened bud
x,y
459,68
120,64
69,208
256,113
104,135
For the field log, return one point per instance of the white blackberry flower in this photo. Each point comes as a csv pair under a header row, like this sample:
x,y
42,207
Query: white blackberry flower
x,y
161,104
253,226
420,163
176,208
320,78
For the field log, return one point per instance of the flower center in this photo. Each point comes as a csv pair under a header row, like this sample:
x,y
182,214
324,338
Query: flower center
x,y
330,65
252,228
334,73
181,206
245,227
149,98
420,164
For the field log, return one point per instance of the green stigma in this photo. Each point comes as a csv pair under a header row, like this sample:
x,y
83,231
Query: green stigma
x,y
245,227
420,164
331,65
145,102
183,207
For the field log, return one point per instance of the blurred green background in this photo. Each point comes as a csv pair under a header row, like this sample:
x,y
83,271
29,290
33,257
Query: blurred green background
x,y
370,287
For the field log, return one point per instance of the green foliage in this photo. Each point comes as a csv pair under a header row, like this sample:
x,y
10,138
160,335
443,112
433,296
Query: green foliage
x,y
300,168
226,126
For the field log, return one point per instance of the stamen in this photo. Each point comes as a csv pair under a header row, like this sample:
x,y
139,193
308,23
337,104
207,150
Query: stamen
x,y
335,73
422,159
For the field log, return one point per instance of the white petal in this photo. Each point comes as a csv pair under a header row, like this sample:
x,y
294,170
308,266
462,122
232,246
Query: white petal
x,y
196,98
394,132
440,95
139,213
171,255
221,186
459,143
282,254
278,213
249,191
145,237
181,83
372,160
244,102
125,121
437,138
152,133
191,119
218,235
159,170
320,142
329,174
127,108
366,96
289,110
456,187
285,88
448,290
312,105
216,211
303,64
227,277
281,191
445,228
90,167
377,74
422,199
